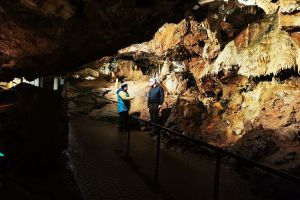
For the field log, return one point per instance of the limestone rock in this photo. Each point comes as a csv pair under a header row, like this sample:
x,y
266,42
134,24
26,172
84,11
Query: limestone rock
x,y
289,21
268,6
85,73
289,6
289,14
258,52
124,68
170,37
212,46
257,144
165,69
128,69
270,106
175,84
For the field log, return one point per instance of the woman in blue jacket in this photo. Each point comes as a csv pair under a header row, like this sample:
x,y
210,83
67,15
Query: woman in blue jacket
x,y
123,106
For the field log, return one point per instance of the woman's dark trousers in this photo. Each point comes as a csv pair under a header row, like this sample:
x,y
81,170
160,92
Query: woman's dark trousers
x,y
123,121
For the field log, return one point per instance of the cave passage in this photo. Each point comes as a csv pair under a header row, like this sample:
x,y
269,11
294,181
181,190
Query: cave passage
x,y
97,152
219,72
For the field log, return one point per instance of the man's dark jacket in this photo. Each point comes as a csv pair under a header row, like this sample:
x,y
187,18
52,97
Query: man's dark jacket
x,y
156,95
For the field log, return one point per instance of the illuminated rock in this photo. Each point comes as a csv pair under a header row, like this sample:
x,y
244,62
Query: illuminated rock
x,y
289,6
175,84
289,21
84,73
264,51
289,14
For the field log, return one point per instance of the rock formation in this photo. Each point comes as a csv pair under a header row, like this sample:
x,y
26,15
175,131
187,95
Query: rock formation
x,y
230,76
51,37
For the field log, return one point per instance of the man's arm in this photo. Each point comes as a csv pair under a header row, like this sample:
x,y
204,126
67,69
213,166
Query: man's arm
x,y
161,92
124,97
149,98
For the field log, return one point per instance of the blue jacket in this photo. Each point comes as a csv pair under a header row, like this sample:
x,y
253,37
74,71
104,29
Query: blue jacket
x,y
156,95
123,105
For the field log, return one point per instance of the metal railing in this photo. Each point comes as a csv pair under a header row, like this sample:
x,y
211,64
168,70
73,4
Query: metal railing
x,y
218,151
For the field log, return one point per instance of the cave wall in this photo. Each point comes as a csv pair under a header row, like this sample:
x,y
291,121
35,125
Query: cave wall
x,y
230,77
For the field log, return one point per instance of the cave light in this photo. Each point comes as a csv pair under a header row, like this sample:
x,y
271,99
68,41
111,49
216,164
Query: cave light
x,y
35,82
55,84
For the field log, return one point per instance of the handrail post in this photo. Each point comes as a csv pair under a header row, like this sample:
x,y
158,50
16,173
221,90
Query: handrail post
x,y
219,152
156,173
128,138
217,175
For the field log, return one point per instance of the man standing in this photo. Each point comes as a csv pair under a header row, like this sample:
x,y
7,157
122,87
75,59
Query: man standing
x,y
155,101
123,106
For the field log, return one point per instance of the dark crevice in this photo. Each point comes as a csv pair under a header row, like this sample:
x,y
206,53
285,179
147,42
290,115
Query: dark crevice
x,y
283,75
288,73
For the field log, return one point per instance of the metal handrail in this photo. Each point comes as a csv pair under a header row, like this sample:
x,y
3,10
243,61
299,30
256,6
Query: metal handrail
x,y
222,151
219,153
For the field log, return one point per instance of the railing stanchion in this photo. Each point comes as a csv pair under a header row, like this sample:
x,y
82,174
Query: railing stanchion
x,y
128,139
219,153
156,173
217,175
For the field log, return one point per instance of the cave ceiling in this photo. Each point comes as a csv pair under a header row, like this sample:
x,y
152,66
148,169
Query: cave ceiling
x,y
41,37
48,36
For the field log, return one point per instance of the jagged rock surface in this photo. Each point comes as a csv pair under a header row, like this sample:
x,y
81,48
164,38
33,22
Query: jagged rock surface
x,y
224,80
51,37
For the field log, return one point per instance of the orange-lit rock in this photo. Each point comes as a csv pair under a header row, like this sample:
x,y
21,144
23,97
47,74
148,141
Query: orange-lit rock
x,y
226,74
296,37
246,36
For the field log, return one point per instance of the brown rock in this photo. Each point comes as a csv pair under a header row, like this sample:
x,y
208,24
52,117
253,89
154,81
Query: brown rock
x,y
296,37
168,36
246,36
257,144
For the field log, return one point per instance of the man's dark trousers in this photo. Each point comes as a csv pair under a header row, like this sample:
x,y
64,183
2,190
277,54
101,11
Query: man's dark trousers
x,y
154,110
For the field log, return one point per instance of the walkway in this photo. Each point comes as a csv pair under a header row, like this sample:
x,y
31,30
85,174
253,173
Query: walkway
x,y
102,174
